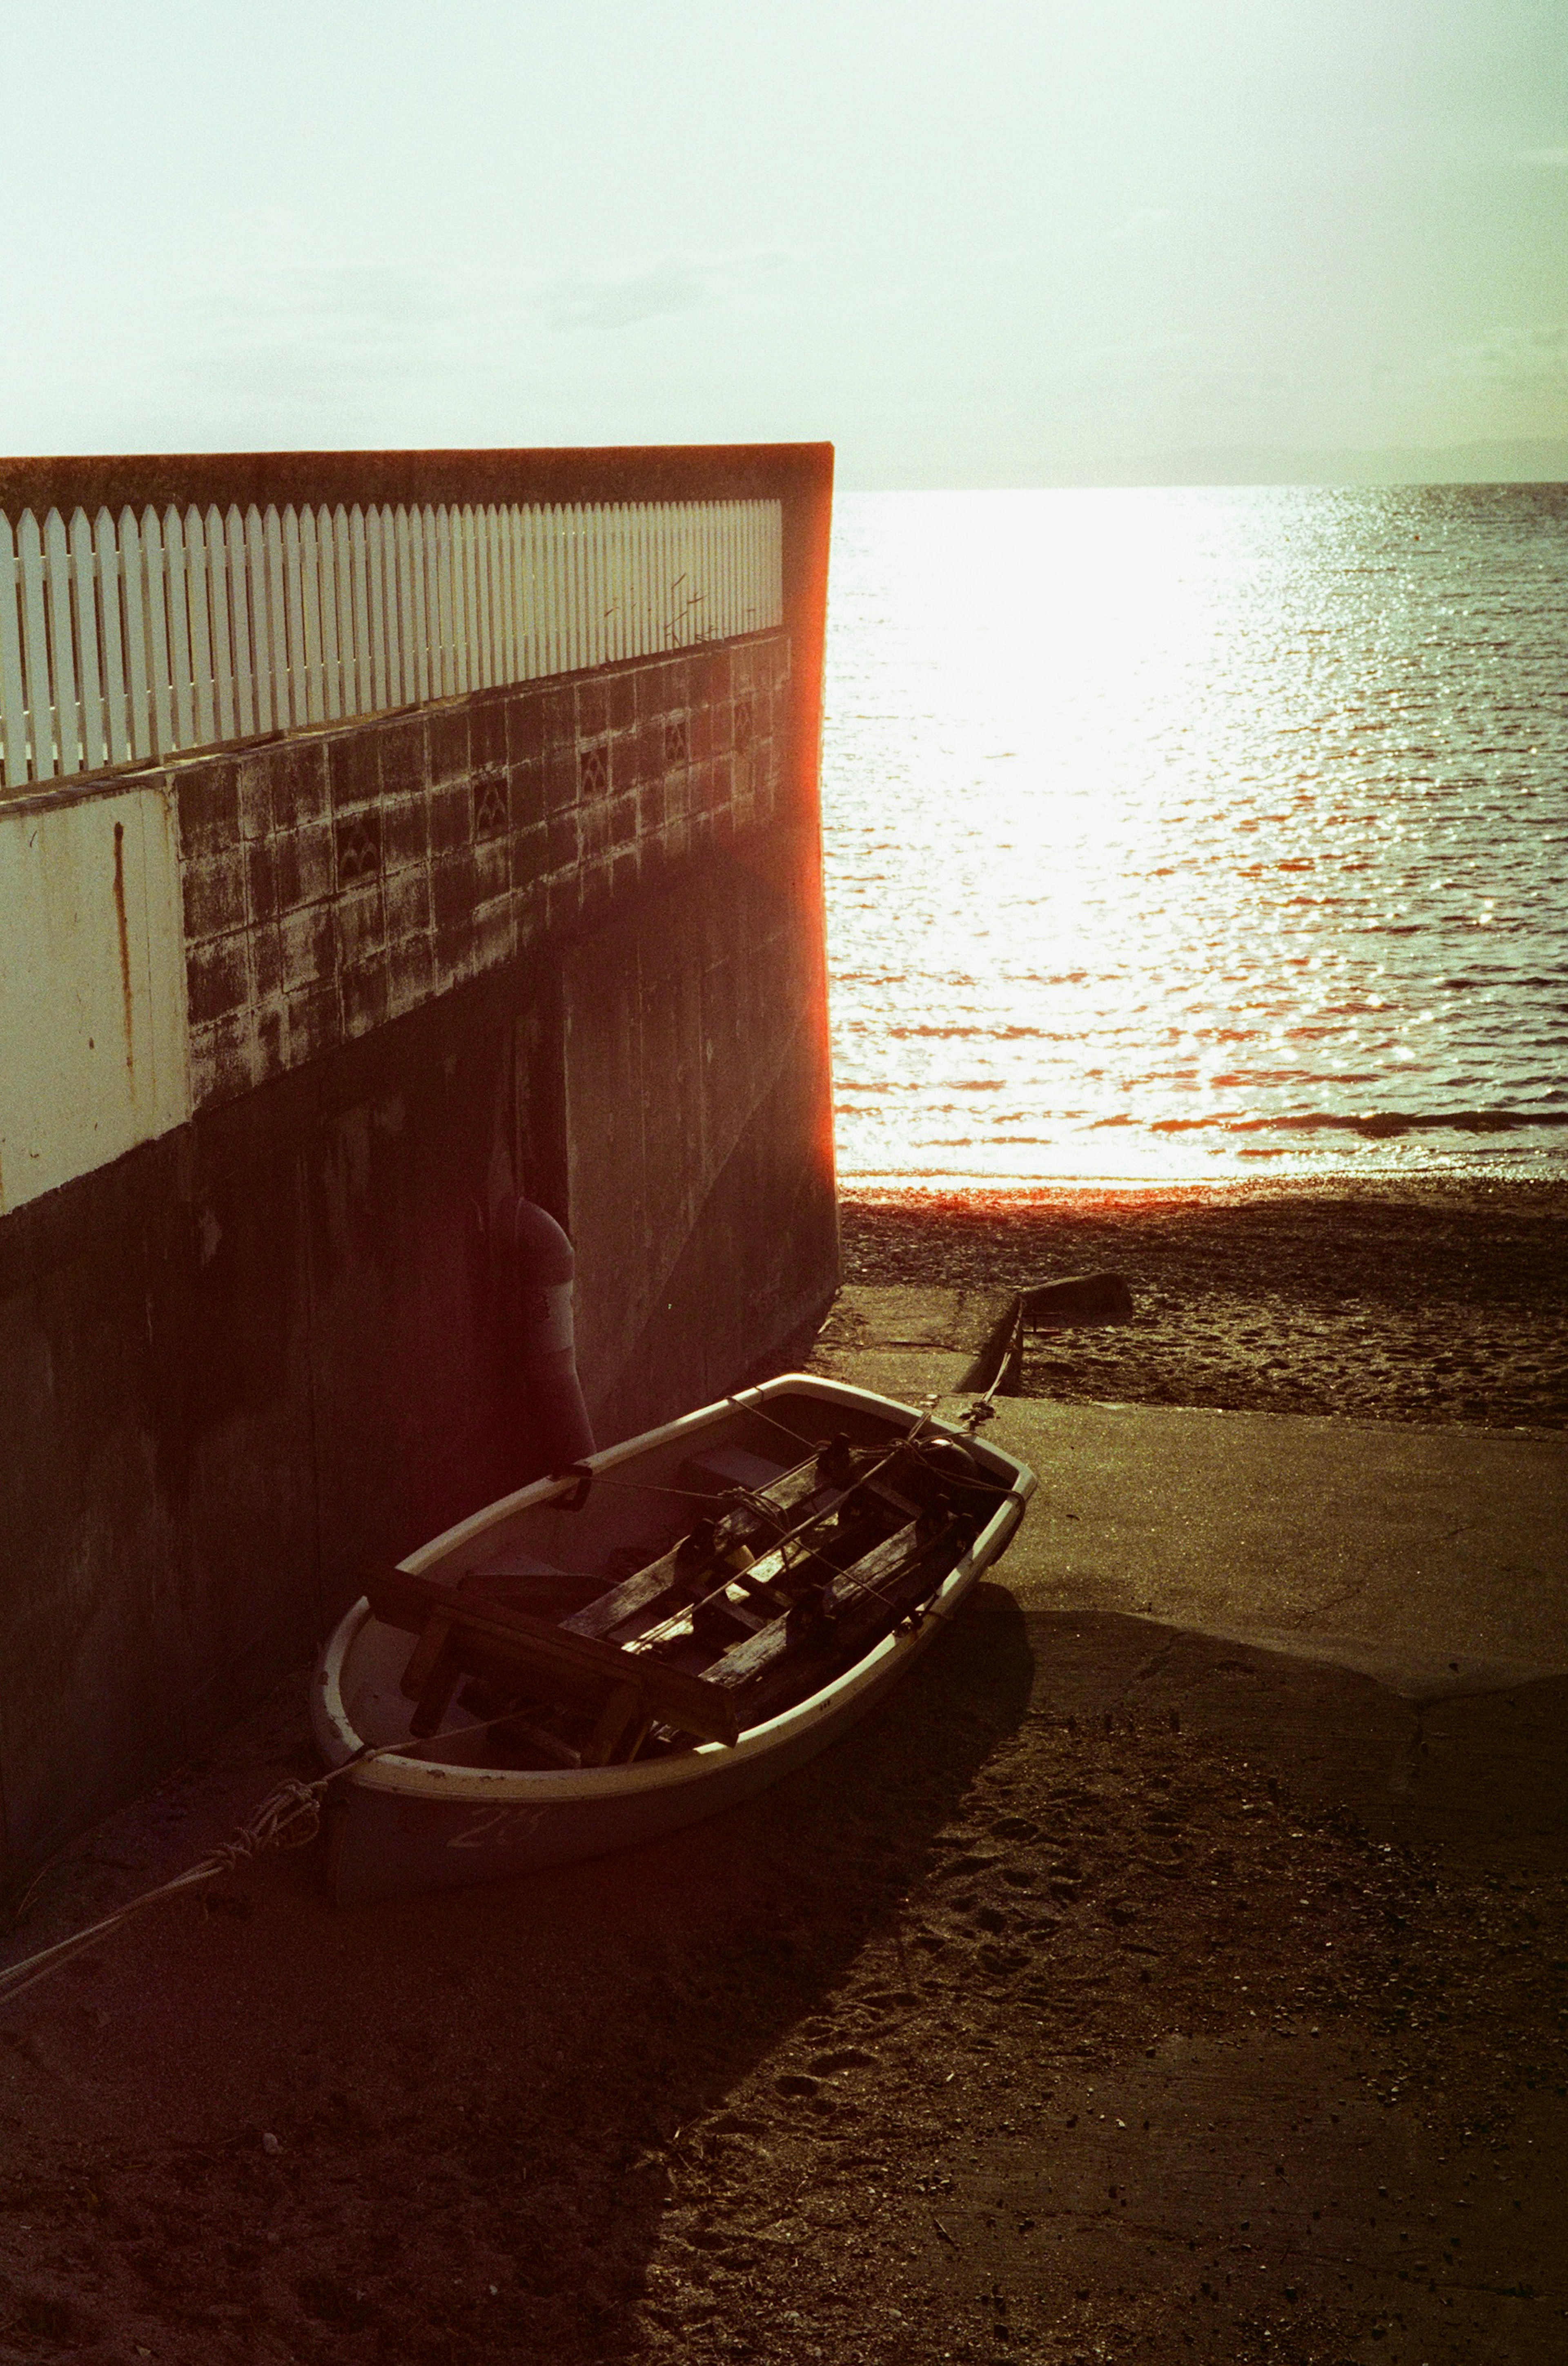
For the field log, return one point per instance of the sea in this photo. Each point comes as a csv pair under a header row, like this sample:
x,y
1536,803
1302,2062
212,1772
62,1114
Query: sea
x,y
1198,834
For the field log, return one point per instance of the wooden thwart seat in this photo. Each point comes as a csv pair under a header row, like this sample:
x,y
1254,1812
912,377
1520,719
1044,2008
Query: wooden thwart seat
x,y
521,1654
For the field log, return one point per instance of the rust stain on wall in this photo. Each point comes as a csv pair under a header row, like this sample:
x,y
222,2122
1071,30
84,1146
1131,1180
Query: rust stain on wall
x,y
124,946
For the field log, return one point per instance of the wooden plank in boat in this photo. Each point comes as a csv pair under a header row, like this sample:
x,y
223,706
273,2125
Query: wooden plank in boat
x,y
859,1617
623,1601
646,1585
862,1580
509,1648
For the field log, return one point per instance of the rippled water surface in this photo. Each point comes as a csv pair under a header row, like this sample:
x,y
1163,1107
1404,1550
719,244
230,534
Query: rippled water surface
x,y
1198,833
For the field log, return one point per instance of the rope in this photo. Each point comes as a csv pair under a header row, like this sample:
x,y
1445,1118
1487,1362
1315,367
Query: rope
x,y
288,1818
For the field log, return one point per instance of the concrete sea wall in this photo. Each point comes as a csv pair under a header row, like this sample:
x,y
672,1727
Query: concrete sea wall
x,y
281,1024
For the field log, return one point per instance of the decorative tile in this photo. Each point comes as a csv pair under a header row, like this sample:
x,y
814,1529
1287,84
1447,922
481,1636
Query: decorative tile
x,y
221,1057
593,708
358,848
492,808
452,890
266,963
492,870
451,811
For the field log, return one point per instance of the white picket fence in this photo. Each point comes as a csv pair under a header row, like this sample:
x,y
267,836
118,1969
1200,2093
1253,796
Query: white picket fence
x,y
123,642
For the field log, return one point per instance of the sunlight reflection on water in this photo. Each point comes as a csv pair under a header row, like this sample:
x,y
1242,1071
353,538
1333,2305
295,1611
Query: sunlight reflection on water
x,y
1195,833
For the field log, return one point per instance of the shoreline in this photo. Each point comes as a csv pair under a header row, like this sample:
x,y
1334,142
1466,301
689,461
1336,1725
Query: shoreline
x,y
1442,1297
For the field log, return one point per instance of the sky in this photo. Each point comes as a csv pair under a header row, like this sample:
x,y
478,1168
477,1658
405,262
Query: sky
x,y
986,243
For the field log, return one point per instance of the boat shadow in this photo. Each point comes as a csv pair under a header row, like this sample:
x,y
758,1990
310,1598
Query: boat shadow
x,y
566,2046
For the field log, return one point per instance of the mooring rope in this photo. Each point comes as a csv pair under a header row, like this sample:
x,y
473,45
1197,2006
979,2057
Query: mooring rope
x,y
288,1818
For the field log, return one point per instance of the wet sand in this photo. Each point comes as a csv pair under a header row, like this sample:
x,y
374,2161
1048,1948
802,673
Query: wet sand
x,y
1441,1300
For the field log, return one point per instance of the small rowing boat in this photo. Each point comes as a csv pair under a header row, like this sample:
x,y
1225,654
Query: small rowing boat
x,y
661,1632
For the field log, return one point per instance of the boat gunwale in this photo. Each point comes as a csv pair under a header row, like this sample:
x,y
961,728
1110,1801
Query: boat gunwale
x,y
394,1773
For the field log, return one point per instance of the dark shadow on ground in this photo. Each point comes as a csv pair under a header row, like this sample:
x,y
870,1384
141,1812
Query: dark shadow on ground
x,y
447,2129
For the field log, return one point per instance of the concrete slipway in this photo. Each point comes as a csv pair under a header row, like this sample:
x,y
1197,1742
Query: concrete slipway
x,y
1435,1559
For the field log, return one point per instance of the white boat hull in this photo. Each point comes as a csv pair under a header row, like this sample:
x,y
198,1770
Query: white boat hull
x,y
427,1819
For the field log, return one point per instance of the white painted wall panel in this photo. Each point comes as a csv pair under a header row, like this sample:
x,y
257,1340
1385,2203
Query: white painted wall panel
x,y
93,1047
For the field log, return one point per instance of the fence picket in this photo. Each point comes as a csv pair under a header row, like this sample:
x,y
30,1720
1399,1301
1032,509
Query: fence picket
x,y
402,563
529,663
438,596
640,579
507,542
14,738
309,641
198,592
419,602
482,637
94,740
391,609
217,543
576,605
593,584
133,601
176,594
293,612
326,594
160,706
261,617
240,615
342,612
500,579
376,610
63,655
548,528
463,620
279,651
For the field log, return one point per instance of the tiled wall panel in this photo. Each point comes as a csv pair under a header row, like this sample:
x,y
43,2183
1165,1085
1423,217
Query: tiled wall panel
x,y
338,878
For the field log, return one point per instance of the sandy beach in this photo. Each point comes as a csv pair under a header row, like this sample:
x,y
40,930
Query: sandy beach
x,y
1439,1300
